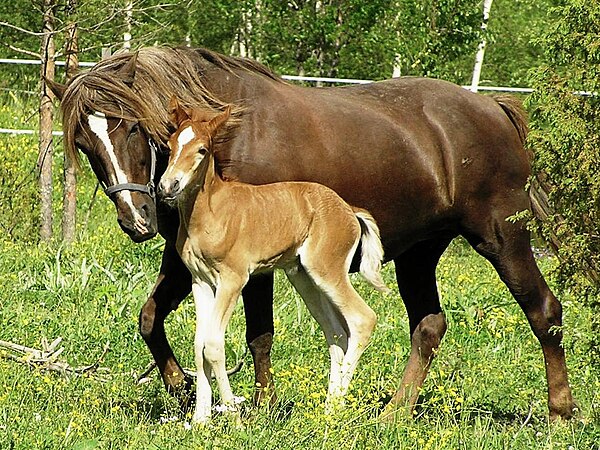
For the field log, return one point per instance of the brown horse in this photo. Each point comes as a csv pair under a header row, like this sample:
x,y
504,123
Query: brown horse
x,y
230,230
428,159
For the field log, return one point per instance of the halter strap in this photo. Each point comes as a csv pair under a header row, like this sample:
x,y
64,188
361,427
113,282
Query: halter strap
x,y
143,188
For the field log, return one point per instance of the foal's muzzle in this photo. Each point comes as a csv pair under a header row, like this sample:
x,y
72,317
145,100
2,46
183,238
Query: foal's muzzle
x,y
169,189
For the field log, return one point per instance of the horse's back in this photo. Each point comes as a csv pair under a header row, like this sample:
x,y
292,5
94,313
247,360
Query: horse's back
x,y
412,151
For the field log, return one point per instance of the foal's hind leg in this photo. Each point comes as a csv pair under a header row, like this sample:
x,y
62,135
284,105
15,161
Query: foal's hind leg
x,y
330,276
330,321
507,246
415,273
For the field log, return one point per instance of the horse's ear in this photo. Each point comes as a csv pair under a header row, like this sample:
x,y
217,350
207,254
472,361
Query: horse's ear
x,y
127,72
177,113
57,88
217,121
200,115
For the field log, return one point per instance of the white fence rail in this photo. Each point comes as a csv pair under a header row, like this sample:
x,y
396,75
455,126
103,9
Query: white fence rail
x,y
519,90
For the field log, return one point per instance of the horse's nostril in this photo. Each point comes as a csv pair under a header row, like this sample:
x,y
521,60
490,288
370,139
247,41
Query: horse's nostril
x,y
175,186
160,188
145,211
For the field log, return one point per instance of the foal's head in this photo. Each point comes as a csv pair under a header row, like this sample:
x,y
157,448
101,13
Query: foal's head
x,y
189,145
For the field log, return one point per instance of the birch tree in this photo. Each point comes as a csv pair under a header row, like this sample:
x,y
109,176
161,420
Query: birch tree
x,y
70,179
46,115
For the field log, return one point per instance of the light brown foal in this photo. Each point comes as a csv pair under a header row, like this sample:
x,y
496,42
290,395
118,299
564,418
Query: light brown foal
x,y
230,230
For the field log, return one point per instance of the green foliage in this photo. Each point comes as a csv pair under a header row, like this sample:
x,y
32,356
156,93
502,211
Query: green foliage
x,y
566,142
514,29
436,38
321,38
19,215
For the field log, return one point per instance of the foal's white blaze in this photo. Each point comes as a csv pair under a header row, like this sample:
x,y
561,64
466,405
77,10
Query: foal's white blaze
x,y
185,137
99,126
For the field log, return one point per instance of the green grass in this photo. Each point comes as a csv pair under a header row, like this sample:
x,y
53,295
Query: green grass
x,y
486,389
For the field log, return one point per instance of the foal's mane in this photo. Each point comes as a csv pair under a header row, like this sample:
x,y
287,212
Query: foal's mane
x,y
160,73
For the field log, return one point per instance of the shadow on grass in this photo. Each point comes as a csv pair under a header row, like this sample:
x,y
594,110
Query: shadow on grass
x,y
159,407
424,411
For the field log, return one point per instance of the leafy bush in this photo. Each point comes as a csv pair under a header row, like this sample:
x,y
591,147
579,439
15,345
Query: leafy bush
x,y
566,143
19,217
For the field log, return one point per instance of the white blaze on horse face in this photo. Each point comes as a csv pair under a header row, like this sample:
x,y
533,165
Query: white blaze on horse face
x,y
185,137
99,126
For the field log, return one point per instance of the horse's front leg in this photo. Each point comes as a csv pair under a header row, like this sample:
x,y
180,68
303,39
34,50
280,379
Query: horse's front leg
x,y
258,309
174,283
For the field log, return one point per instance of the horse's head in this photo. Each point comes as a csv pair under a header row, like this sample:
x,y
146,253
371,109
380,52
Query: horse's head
x,y
189,145
124,161
121,156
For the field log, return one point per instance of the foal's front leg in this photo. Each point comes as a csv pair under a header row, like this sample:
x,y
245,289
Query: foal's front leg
x,y
228,291
204,302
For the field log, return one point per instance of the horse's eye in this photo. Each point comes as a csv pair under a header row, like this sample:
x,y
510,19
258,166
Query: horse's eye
x,y
135,129
202,149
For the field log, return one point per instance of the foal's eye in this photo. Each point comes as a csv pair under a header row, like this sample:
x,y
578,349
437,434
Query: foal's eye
x,y
202,150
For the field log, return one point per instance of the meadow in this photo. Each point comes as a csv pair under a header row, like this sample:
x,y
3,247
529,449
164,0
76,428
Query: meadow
x,y
486,389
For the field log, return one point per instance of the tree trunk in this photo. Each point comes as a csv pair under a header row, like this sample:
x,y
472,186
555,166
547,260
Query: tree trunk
x,y
487,5
70,179
539,191
46,113
128,25
338,42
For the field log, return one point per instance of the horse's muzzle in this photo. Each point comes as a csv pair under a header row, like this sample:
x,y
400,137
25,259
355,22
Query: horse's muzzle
x,y
139,222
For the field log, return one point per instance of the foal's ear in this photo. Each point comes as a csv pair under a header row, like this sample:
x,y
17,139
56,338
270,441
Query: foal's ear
x,y
57,88
217,121
127,72
177,113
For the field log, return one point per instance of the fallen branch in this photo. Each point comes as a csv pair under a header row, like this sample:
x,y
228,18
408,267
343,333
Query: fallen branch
x,y
143,377
46,358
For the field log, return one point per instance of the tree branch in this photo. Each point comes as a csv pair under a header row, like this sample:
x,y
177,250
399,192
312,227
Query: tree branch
x,y
143,377
23,51
46,358
29,32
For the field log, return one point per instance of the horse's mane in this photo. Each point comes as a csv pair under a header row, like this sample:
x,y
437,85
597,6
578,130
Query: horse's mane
x,y
160,73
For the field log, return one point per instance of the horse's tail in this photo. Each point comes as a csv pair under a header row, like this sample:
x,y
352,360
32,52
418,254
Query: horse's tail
x,y
371,250
538,191
513,108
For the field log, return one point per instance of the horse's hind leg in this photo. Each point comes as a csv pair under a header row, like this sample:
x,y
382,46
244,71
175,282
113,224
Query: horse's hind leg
x,y
507,246
415,273
174,283
258,308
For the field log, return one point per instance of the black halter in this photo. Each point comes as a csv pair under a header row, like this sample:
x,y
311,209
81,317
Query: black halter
x,y
143,188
